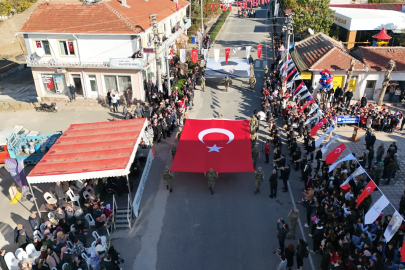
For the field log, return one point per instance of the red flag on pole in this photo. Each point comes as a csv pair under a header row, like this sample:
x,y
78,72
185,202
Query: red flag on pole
x,y
259,51
206,9
224,7
211,7
194,55
289,74
230,6
367,191
333,156
223,145
315,129
306,105
227,52
215,7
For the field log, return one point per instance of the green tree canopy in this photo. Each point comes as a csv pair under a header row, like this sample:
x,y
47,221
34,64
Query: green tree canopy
x,y
314,14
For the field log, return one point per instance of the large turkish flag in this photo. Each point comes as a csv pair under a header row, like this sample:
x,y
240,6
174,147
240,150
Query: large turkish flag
x,y
333,156
320,124
223,145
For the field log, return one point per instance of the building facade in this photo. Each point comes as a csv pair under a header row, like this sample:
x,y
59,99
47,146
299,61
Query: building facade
x,y
99,46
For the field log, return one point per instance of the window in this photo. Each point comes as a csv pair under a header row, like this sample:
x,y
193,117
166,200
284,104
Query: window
x,y
54,83
2,149
66,48
120,83
370,84
42,47
93,83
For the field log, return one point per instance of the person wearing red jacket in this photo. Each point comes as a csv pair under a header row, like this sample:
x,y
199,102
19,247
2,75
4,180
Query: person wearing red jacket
x,y
267,151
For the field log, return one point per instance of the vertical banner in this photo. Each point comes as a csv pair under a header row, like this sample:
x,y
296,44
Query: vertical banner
x,y
212,6
227,52
248,52
21,173
393,226
204,52
206,9
216,54
376,210
224,7
182,55
14,194
12,166
230,6
259,51
215,7
194,55
141,186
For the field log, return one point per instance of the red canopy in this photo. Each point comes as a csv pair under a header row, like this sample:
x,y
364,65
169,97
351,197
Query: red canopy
x,y
92,150
382,35
223,145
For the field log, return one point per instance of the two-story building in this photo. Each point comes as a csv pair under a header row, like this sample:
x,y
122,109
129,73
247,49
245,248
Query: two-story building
x,y
96,46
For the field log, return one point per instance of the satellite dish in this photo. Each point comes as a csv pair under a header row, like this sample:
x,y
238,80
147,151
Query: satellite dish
x,y
311,31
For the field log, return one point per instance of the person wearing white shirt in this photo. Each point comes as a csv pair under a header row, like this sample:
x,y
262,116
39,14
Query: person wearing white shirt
x,y
114,99
117,94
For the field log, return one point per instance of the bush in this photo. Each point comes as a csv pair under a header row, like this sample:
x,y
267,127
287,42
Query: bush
x,y
219,25
19,5
191,65
179,84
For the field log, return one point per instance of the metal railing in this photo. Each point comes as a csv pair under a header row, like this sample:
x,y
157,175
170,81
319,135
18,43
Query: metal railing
x,y
129,212
114,208
54,62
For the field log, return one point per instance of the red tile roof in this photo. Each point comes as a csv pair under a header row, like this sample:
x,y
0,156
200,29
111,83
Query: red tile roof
x,y
376,58
384,6
107,17
322,52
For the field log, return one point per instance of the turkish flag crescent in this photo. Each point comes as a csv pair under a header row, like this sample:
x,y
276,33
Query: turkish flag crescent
x,y
333,156
211,7
315,129
259,51
223,145
367,191
227,52
194,55
306,105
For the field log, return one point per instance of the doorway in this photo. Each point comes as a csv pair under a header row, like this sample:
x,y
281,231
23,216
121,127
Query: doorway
x,y
369,91
77,82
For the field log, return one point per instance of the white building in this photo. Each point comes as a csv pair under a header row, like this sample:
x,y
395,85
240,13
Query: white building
x,y
93,46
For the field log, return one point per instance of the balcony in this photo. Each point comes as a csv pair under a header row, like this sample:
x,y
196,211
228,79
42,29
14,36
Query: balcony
x,y
34,61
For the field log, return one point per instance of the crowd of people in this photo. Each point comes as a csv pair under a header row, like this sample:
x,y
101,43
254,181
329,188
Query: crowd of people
x,y
72,237
333,221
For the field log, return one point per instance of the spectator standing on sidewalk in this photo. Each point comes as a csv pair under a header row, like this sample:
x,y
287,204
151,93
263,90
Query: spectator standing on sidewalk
x,y
380,153
397,93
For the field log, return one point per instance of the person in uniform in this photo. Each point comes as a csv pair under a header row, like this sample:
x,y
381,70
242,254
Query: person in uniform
x,y
252,71
173,150
178,134
203,83
252,82
255,155
219,116
211,175
259,175
227,83
293,218
266,71
254,137
253,123
168,178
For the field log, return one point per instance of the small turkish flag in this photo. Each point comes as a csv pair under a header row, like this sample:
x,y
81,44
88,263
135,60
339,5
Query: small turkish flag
x,y
315,129
194,55
333,156
259,51
227,52
230,6
223,145
306,105
367,191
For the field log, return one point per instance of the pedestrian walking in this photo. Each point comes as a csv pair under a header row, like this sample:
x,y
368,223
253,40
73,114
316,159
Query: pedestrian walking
x,y
273,184
255,155
173,150
211,176
109,97
72,91
293,221
168,178
259,176
289,253
282,233
283,264
139,110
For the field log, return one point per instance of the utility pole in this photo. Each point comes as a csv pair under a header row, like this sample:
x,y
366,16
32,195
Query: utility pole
x,y
169,90
290,22
153,18
202,24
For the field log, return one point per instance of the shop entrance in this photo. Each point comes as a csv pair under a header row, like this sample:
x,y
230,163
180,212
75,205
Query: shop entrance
x,y
77,83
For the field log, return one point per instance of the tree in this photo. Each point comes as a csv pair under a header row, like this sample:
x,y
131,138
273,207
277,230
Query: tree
x,y
387,79
288,4
314,14
349,74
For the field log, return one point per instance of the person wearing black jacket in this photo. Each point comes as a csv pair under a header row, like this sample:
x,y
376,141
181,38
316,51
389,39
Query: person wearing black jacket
x,y
349,96
109,264
363,101
285,175
309,206
300,252
338,95
311,148
282,233
273,184
317,237
370,156
318,158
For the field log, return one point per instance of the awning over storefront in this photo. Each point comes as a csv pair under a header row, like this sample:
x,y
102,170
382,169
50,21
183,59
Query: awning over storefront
x,y
93,150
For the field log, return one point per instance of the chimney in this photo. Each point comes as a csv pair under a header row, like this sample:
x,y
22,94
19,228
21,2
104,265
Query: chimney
x,y
124,3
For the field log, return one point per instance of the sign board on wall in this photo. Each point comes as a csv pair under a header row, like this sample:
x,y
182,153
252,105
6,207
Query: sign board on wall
x,y
126,63
347,119
352,85
306,75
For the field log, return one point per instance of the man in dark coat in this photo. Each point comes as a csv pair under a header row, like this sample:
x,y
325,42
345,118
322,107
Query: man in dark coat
x,y
60,195
282,233
3,264
22,239
363,101
72,91
34,222
273,184
285,175
349,96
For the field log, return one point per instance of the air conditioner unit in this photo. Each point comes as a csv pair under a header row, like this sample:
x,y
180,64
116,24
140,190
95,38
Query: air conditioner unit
x,y
61,70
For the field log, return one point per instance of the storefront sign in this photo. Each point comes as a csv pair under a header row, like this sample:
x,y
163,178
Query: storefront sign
x,y
126,63
347,119
148,50
139,192
306,75
339,20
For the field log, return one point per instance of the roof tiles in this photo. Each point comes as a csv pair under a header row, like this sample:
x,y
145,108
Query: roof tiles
x,y
376,58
